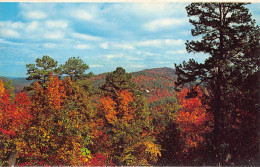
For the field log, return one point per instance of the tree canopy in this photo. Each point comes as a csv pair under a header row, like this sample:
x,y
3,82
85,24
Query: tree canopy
x,y
230,37
74,68
41,69
211,119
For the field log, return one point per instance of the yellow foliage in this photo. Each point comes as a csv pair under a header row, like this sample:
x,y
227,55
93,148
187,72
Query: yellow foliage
x,y
2,89
55,92
153,150
108,105
125,98
20,145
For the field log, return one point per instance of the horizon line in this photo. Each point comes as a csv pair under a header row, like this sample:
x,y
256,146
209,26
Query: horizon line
x,y
10,77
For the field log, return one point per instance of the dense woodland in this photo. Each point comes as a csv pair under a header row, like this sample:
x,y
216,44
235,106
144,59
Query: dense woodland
x,y
196,114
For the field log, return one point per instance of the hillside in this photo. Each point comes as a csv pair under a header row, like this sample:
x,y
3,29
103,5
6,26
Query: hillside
x,y
17,83
157,83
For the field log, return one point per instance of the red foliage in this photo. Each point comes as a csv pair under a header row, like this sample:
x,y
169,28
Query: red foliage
x,y
14,115
192,118
121,106
33,163
99,160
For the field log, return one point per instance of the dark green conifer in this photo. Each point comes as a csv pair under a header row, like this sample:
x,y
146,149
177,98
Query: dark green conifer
x,y
228,34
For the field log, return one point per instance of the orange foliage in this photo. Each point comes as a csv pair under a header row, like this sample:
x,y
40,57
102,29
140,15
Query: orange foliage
x,y
108,105
62,113
55,92
192,117
14,115
119,108
125,98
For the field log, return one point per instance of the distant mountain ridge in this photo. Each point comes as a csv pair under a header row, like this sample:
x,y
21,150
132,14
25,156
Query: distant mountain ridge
x,y
17,83
156,83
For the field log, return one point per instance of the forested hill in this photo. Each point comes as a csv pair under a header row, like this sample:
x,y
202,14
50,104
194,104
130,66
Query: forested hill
x,y
157,83
17,83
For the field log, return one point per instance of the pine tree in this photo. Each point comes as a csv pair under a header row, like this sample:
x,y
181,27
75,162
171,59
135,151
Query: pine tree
x,y
74,68
118,80
41,70
230,37
126,121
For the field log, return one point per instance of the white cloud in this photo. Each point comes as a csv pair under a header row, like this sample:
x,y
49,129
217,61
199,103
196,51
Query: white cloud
x,y
137,66
159,24
8,33
81,15
85,37
173,42
95,65
161,42
9,29
134,58
113,56
35,15
82,46
54,35
49,45
56,24
165,63
179,52
11,25
155,43
104,45
32,26
113,45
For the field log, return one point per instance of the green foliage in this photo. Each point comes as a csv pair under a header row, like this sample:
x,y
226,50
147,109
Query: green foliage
x,y
118,80
75,68
127,122
41,70
231,38
8,85
62,114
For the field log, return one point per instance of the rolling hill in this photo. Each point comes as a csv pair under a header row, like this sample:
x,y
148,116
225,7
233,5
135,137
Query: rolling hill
x,y
17,83
156,84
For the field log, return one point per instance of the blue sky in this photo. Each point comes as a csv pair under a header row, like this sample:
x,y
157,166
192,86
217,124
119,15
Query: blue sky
x,y
135,36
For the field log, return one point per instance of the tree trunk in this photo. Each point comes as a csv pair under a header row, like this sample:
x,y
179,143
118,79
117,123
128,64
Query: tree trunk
x,y
218,113
12,158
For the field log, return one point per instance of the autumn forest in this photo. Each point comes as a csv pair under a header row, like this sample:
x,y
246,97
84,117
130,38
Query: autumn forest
x,y
192,114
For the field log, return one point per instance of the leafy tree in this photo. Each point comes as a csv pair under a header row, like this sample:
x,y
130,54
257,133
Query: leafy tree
x,y
15,118
230,37
118,80
59,133
75,68
193,121
41,70
99,160
130,139
8,86
163,114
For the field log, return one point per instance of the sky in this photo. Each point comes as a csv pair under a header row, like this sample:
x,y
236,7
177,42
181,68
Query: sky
x,y
134,36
